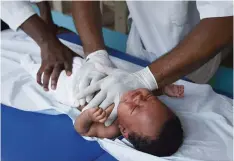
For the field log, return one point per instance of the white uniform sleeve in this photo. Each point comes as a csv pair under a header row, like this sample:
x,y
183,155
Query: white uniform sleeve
x,y
36,1
209,9
15,13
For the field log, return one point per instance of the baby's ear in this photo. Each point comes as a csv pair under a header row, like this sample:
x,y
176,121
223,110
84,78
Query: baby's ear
x,y
125,135
124,131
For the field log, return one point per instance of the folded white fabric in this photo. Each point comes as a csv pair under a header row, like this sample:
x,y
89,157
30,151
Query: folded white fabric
x,y
65,92
206,116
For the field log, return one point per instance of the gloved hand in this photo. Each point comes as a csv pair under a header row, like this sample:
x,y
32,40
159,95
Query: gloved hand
x,y
90,74
114,86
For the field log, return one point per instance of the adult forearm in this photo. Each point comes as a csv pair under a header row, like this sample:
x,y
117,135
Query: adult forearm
x,y
199,46
87,18
37,29
45,11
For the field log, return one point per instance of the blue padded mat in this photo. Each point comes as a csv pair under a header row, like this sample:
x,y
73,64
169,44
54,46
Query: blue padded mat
x,y
28,136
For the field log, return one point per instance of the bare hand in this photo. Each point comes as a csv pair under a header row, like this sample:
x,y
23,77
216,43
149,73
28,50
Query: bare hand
x,y
55,58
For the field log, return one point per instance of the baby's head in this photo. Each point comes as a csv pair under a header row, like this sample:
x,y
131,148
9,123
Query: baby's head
x,y
149,124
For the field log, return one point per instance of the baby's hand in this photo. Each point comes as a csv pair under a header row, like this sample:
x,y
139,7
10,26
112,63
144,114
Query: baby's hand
x,y
97,114
173,90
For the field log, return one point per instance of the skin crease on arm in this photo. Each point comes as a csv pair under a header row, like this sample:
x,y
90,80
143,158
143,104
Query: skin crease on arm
x,y
206,39
87,18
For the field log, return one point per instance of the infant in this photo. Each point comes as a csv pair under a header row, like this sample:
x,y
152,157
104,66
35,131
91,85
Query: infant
x,y
142,119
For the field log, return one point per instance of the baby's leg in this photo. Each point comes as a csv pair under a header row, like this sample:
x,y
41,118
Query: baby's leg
x,y
173,90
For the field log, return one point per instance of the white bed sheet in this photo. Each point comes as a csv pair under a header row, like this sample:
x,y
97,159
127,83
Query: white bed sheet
x,y
207,117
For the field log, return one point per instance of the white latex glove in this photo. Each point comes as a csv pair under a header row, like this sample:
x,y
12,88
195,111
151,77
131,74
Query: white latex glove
x,y
90,74
114,86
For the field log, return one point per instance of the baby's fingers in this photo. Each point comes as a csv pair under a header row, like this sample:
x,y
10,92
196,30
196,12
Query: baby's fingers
x,y
91,111
103,115
98,112
103,120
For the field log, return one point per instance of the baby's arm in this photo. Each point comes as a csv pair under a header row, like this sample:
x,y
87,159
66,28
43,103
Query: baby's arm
x,y
90,123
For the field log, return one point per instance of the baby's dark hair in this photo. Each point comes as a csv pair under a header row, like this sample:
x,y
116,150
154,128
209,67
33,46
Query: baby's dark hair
x,y
167,142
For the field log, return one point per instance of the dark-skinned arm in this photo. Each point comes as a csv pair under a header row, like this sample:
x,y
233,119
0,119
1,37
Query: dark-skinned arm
x,y
45,11
45,14
199,46
87,18
55,56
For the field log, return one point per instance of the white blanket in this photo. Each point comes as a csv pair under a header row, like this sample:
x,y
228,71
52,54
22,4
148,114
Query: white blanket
x,y
206,116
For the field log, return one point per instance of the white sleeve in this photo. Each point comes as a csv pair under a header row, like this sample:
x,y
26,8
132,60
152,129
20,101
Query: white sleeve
x,y
209,9
35,1
15,13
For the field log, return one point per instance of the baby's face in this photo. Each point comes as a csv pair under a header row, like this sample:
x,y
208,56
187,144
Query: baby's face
x,y
141,112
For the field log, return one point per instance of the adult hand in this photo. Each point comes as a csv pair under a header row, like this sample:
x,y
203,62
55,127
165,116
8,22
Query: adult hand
x,y
90,74
55,58
114,86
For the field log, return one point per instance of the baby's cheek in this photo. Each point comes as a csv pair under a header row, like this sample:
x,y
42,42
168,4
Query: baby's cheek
x,y
119,109
122,111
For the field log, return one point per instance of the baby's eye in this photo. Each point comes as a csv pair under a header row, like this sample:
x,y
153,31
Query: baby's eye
x,y
149,96
136,107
